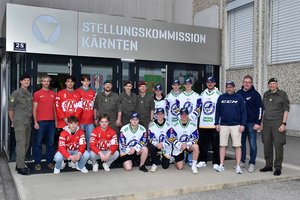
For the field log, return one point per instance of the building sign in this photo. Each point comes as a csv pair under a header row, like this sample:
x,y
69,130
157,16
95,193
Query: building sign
x,y
96,35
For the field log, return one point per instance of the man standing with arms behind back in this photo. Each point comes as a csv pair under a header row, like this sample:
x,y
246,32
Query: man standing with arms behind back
x,y
254,117
276,106
44,122
20,112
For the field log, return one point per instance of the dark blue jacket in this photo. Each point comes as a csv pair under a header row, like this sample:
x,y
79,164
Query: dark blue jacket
x,y
231,110
253,105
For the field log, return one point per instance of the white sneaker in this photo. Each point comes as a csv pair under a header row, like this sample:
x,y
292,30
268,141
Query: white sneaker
x,y
73,165
63,165
105,167
56,171
194,169
95,167
172,160
201,164
221,168
251,168
215,166
238,170
153,168
83,170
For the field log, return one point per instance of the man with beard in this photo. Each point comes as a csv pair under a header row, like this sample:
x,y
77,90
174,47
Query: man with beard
x,y
107,102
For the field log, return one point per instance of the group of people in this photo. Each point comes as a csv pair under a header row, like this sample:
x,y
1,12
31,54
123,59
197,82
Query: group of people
x,y
180,127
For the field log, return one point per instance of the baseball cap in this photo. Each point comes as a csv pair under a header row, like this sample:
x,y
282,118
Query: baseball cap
x,y
272,80
25,76
107,81
231,83
142,83
158,87
184,111
134,115
210,79
188,81
160,110
176,81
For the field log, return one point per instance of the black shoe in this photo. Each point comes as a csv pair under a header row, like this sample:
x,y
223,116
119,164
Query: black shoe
x,y
277,172
143,168
266,169
23,171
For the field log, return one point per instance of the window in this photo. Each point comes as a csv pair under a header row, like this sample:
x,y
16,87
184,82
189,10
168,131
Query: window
x,y
241,35
285,29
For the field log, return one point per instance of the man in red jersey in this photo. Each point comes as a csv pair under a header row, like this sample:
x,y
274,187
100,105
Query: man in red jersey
x,y
44,122
68,103
87,117
71,146
103,144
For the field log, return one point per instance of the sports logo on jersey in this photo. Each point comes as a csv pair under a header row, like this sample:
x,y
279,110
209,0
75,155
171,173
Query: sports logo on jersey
x,y
209,108
103,144
132,143
69,105
161,138
174,109
189,106
184,138
87,104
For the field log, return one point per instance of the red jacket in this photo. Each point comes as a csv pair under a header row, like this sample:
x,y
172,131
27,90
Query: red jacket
x,y
103,140
67,104
88,98
68,142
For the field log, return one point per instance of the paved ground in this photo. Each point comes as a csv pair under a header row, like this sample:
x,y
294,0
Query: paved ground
x,y
137,185
283,190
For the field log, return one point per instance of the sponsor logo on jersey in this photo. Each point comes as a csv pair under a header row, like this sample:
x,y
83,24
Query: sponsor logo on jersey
x,y
87,104
69,105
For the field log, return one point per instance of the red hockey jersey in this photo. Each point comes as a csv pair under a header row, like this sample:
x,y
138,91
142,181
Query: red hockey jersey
x,y
103,140
68,142
87,98
67,104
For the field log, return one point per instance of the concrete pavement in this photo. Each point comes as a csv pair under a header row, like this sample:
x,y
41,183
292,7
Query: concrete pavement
x,y
119,184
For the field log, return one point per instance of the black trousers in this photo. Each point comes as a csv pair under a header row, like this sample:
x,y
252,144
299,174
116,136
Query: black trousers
x,y
207,136
155,157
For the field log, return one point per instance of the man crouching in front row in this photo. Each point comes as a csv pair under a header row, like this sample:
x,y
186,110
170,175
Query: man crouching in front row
x,y
133,140
184,138
71,147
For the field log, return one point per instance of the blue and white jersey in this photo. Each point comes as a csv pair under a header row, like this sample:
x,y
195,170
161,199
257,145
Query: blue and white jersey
x,y
158,134
209,102
172,107
192,102
183,134
159,104
130,138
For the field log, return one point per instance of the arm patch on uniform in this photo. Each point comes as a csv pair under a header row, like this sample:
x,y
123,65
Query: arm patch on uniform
x,y
12,99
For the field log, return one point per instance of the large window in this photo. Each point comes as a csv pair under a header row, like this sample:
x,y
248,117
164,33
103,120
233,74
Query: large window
x,y
285,31
240,31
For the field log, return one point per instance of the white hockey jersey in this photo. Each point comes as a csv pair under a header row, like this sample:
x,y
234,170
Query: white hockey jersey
x,y
192,102
130,138
172,107
209,101
158,134
159,104
183,134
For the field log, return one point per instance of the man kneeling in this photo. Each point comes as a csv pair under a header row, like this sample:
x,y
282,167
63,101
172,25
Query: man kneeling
x,y
71,146
133,138
103,144
185,137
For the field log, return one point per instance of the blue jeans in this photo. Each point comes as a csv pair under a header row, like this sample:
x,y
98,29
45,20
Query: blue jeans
x,y
59,158
46,129
88,128
251,135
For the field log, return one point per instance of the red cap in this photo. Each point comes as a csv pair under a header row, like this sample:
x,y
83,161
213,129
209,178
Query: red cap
x,y
142,83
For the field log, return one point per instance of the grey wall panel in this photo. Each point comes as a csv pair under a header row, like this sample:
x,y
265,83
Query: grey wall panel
x,y
183,12
208,17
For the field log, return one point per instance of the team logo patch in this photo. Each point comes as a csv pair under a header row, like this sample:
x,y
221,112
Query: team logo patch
x,y
12,99
209,108
184,138
87,104
189,106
